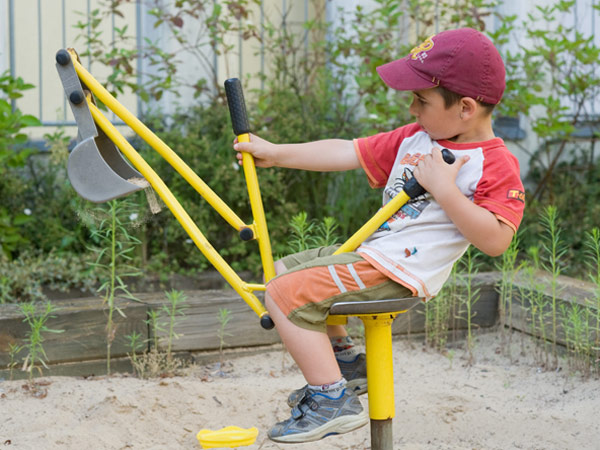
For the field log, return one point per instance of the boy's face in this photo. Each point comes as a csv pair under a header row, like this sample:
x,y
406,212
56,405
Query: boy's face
x,y
430,111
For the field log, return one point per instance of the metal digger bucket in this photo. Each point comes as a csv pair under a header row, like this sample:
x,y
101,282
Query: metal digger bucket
x,y
97,170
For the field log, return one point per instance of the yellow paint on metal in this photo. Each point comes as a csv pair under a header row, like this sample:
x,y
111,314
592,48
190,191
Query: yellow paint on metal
x,y
258,212
380,367
180,214
374,223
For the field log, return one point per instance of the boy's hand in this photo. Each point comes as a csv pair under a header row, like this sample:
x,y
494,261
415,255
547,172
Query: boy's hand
x,y
262,150
435,175
322,156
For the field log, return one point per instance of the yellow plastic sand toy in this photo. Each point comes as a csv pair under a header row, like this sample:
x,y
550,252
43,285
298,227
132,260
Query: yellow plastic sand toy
x,y
228,437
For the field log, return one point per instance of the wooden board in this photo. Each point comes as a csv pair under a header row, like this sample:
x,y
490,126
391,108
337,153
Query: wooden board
x,y
198,329
484,312
570,292
83,322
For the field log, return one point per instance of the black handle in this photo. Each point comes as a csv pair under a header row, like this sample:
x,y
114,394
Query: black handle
x,y
412,187
237,106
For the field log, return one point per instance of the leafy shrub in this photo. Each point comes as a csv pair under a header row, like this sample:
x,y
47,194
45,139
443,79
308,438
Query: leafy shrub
x,y
25,277
13,154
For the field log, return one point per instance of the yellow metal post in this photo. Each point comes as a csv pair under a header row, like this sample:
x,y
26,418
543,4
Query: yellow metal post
x,y
380,366
258,212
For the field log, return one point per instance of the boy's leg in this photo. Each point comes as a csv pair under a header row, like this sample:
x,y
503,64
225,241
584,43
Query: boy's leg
x,y
287,331
326,406
298,302
310,349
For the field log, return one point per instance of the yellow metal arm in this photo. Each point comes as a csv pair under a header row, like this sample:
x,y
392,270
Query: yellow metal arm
x,y
258,212
243,289
374,223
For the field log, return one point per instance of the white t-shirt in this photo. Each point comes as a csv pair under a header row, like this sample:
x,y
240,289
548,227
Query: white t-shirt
x,y
419,244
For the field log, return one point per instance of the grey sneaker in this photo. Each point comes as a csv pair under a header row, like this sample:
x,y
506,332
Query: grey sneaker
x,y
318,415
354,372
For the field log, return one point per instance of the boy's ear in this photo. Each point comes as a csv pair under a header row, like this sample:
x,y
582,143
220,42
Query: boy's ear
x,y
468,107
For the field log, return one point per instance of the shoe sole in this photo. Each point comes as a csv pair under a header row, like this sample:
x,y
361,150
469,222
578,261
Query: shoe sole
x,y
339,425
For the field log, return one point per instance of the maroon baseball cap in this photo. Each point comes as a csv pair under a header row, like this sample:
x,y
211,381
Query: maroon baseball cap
x,y
463,61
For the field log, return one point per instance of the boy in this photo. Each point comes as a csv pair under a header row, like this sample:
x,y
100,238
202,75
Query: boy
x,y
456,78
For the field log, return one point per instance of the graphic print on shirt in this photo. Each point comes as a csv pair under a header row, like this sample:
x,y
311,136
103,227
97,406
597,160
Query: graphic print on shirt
x,y
413,208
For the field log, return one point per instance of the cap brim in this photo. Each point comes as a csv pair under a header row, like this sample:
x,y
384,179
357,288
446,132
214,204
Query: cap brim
x,y
400,75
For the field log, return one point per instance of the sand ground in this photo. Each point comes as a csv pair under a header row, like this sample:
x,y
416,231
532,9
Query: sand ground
x,y
441,403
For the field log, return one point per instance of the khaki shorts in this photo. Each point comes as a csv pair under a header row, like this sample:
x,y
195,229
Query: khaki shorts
x,y
317,278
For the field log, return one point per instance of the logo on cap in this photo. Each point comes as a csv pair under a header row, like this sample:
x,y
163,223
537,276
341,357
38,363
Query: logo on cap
x,y
420,51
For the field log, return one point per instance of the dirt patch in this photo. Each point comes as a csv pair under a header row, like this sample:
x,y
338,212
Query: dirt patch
x,y
441,403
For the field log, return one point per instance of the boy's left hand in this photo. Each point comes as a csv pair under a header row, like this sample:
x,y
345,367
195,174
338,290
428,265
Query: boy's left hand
x,y
434,174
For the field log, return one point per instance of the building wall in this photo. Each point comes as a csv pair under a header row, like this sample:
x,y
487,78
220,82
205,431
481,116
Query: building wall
x,y
41,27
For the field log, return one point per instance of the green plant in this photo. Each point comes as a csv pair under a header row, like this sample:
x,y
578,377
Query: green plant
x,y
536,303
471,296
508,268
13,155
36,317
310,233
49,197
593,260
112,261
555,250
156,327
13,351
200,28
156,362
25,277
576,321
135,344
437,320
557,77
174,309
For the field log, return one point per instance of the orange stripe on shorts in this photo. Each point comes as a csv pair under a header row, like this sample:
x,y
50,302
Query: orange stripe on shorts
x,y
315,284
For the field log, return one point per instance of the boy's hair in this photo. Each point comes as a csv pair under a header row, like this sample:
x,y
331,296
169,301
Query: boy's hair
x,y
463,61
452,98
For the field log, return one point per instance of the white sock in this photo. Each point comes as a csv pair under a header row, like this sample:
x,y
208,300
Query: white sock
x,y
333,389
343,348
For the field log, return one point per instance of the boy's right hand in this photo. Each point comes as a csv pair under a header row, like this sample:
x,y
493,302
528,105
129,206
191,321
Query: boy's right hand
x,y
262,150
322,156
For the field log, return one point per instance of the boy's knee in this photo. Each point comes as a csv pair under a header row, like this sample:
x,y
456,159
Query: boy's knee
x,y
280,267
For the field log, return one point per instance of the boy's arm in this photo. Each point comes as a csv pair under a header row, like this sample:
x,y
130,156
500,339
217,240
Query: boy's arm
x,y
322,156
477,224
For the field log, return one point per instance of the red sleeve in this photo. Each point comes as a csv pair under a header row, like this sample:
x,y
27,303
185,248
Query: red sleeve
x,y
500,189
377,153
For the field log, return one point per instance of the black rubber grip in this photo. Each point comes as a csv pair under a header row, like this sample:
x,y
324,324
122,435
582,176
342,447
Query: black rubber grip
x,y
412,187
237,106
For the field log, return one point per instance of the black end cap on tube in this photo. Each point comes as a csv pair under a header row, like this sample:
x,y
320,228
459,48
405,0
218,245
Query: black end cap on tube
x,y
237,106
